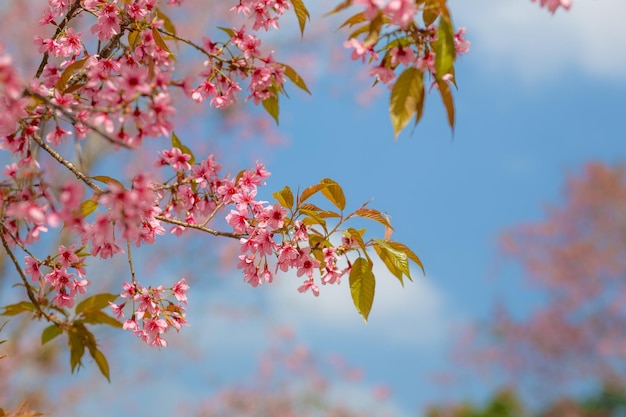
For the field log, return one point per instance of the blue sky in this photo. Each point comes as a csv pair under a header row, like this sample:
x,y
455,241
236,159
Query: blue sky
x,y
538,96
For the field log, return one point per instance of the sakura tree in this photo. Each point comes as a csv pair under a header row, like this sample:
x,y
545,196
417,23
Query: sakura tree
x,y
113,73
574,260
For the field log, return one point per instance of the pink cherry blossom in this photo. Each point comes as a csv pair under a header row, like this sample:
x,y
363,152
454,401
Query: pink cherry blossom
x,y
553,5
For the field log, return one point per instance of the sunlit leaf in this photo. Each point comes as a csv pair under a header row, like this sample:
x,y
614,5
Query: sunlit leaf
x,y
334,193
430,14
362,287
374,30
101,361
95,302
310,191
67,74
353,20
375,215
448,101
133,38
445,52
100,317
228,31
167,22
108,180
159,40
310,207
50,333
358,236
302,13
363,29
312,217
284,197
405,98
340,7
76,346
327,213
270,104
295,77
408,252
87,207
397,262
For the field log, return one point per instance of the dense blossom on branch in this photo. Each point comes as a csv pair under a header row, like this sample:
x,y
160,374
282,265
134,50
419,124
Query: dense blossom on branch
x,y
107,73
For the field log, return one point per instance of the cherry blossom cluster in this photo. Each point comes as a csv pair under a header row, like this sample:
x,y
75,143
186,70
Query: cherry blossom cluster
x,y
406,44
64,284
264,12
112,75
153,312
265,231
124,88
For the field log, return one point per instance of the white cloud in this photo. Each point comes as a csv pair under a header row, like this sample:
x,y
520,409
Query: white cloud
x,y
517,36
411,316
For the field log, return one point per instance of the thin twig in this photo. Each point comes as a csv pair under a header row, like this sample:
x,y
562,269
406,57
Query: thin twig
x,y
29,290
68,165
69,16
75,119
192,44
198,227
217,208
130,262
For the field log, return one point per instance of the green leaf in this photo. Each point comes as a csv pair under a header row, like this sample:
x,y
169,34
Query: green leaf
x,y
99,317
444,48
430,14
77,347
50,333
229,32
101,361
270,104
302,13
405,98
133,38
408,252
176,143
375,215
284,197
87,207
334,193
15,309
95,302
448,101
396,262
362,286
108,180
295,77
